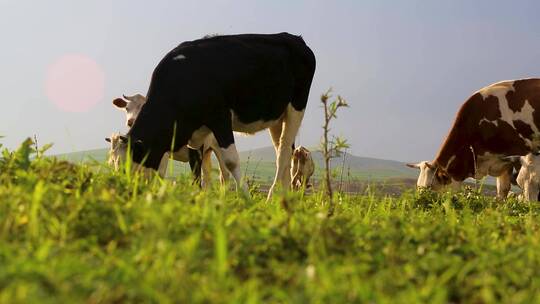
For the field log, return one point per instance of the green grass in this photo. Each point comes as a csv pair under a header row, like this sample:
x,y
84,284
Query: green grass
x,y
80,233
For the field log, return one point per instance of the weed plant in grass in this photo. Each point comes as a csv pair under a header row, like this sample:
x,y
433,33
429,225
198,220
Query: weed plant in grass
x,y
79,233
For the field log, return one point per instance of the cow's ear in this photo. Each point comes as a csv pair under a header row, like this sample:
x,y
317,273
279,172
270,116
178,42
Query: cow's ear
x,y
123,139
107,139
430,166
414,166
119,103
443,177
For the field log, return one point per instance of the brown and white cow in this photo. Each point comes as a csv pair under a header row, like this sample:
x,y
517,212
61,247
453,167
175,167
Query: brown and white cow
x,y
132,105
499,120
302,168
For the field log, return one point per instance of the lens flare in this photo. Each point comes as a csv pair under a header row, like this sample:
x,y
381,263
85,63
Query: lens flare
x,y
75,83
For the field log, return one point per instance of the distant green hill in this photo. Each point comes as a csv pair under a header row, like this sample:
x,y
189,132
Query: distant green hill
x,y
88,155
356,166
260,164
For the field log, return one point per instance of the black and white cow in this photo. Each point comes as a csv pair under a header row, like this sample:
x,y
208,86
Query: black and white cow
x,y
198,160
244,83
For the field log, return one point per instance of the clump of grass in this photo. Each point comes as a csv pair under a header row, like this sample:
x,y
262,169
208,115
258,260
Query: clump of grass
x,y
78,233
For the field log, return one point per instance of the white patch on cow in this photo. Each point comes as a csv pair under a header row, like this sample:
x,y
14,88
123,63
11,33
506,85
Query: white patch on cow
x,y
493,89
495,122
232,162
252,127
525,114
179,57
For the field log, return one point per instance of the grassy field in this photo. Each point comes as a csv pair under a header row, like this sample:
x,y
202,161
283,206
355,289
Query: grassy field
x,y
259,164
80,233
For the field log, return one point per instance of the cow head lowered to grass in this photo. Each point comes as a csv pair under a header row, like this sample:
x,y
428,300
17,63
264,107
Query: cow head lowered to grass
x,y
499,120
243,83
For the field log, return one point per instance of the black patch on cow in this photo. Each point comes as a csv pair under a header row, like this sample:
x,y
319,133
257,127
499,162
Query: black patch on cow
x,y
477,108
505,141
255,76
490,108
515,101
524,129
463,165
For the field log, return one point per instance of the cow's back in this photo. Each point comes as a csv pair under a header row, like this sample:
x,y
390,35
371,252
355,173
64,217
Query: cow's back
x,y
254,75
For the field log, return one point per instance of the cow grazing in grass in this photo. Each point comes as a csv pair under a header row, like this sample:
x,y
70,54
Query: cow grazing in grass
x,y
302,168
244,83
132,106
118,150
499,120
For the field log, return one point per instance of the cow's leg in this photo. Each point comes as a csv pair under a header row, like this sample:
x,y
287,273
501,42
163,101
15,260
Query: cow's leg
x,y
291,125
223,171
275,133
504,184
225,139
163,165
195,160
206,166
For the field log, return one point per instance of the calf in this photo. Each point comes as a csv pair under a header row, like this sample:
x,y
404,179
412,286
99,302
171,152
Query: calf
x,y
244,83
132,106
499,120
528,178
302,168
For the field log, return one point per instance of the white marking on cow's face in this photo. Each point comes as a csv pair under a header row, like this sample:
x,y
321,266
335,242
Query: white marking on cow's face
x,y
426,178
528,178
179,57
132,106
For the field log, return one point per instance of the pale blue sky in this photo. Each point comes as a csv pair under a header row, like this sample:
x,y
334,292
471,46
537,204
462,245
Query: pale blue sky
x,y
404,66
